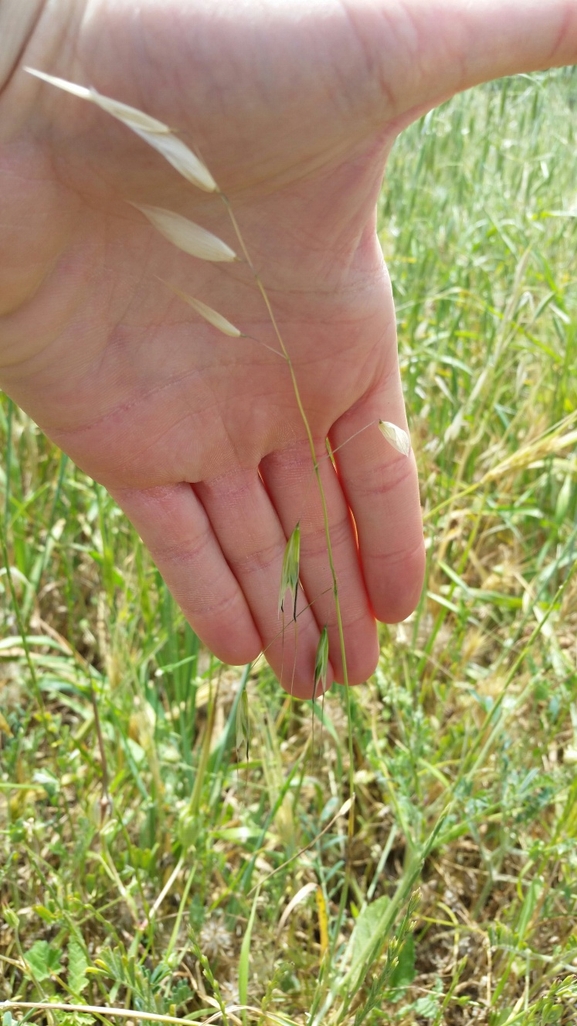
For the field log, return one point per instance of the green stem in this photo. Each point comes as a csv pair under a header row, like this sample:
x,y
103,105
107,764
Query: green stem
x,y
309,434
341,633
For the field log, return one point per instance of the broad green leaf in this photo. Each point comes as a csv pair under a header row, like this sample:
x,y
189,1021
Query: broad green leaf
x,y
366,939
77,966
43,960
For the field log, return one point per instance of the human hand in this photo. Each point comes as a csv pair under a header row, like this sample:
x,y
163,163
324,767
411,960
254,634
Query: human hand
x,y
294,109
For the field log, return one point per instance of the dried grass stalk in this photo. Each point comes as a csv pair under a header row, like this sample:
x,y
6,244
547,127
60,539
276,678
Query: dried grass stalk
x,y
186,235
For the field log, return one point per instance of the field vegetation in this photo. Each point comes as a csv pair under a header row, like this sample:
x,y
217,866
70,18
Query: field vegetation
x,y
171,850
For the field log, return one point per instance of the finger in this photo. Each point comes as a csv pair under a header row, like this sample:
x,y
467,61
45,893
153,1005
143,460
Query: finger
x,y
290,480
432,49
382,489
176,530
253,541
488,39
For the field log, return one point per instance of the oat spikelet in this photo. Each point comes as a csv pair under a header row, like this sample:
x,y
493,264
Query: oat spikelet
x,y
290,570
154,132
321,663
243,724
210,315
186,235
181,157
398,438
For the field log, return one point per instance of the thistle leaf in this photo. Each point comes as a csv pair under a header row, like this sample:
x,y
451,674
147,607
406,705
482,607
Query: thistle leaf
x,y
290,569
210,315
77,966
321,663
154,132
398,438
186,235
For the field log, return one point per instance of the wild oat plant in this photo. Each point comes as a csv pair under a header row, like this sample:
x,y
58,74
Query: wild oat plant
x,y
181,840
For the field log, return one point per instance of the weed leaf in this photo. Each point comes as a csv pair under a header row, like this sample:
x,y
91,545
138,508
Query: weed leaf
x,y
43,960
366,940
77,966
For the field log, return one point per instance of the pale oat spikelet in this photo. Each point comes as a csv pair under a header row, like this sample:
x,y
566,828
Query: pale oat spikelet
x,y
186,235
321,662
290,570
154,132
396,437
210,315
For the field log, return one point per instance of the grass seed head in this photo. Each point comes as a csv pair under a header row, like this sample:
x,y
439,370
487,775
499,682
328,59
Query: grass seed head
x,y
154,132
396,437
321,663
243,724
181,157
210,315
290,568
186,235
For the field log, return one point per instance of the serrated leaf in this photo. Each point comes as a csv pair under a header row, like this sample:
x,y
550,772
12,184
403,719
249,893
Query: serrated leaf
x,y
43,960
77,966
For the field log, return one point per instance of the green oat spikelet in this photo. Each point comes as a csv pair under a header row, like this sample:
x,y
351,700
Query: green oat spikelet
x,y
396,437
243,724
154,132
290,570
321,662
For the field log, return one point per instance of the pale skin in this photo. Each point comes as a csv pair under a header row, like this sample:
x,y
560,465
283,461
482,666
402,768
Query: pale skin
x,y
294,106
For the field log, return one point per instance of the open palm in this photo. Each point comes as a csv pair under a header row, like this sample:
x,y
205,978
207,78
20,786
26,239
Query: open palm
x,y
294,108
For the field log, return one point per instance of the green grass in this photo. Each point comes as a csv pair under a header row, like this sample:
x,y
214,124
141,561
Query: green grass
x,y
144,837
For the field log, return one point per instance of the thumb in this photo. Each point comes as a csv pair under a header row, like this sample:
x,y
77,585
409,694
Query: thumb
x,y
430,49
